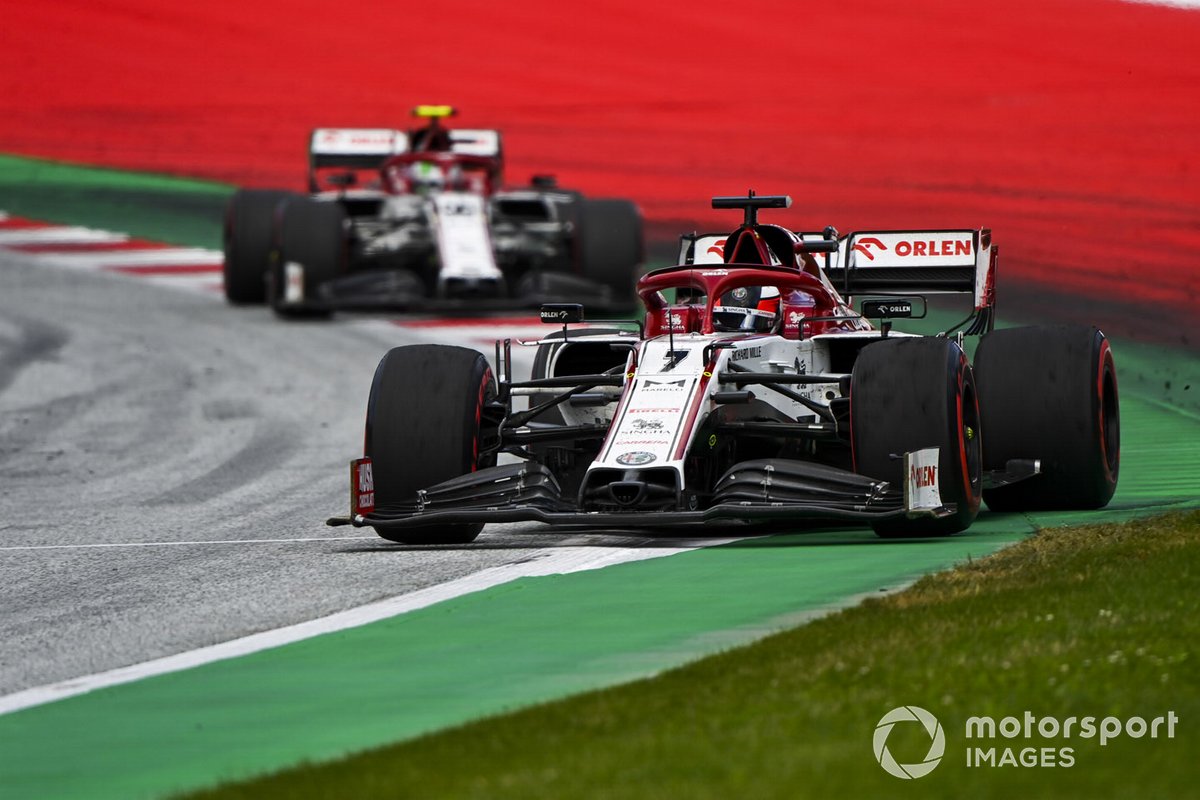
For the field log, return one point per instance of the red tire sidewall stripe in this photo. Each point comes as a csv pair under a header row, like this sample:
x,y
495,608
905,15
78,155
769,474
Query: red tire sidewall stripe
x,y
483,387
968,492
1105,366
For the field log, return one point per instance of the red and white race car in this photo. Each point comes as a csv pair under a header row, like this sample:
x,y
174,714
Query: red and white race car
x,y
421,219
752,391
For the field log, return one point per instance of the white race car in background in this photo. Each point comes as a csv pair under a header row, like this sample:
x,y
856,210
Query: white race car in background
x,y
420,219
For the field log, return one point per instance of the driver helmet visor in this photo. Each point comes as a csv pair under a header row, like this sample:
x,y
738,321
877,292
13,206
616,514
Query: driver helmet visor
x,y
736,318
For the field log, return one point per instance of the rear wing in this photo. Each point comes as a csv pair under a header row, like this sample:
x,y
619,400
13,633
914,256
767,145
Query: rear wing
x,y
702,248
915,261
369,148
890,263
350,149
475,142
918,262
354,148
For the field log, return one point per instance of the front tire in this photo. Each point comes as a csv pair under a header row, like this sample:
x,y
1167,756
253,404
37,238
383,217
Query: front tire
x,y
907,394
1050,393
249,221
424,427
311,234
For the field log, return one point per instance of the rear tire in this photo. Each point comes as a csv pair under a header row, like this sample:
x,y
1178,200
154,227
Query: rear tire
x,y
611,246
1050,393
311,233
423,427
911,393
249,220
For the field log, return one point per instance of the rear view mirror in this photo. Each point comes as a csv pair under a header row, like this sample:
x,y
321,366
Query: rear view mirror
x,y
561,313
893,308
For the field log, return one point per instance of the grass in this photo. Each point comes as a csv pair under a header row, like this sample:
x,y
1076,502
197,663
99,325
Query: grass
x,y
1091,621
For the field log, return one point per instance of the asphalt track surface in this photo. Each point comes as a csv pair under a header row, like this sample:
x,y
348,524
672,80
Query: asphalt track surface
x,y
167,463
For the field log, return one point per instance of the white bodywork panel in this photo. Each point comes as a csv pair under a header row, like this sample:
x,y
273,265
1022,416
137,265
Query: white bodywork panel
x,y
916,249
461,222
709,250
357,142
669,396
293,283
475,142
922,494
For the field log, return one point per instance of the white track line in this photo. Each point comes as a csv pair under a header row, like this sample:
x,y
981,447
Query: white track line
x,y
190,282
153,257
58,235
552,561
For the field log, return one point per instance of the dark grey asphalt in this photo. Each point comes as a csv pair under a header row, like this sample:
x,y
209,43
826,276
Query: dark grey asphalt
x,y
132,414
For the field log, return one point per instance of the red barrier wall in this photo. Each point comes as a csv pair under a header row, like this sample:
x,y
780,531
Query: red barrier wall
x,y
1068,126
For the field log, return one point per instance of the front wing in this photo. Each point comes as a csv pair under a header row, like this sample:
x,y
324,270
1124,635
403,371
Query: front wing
x,y
527,492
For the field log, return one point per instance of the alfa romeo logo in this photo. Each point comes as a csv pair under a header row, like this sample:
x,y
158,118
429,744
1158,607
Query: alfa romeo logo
x,y
635,459
937,745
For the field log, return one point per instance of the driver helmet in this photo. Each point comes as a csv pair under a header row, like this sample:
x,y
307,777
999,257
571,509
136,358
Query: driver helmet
x,y
747,308
425,177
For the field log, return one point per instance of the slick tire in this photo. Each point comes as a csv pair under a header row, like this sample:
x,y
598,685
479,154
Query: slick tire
x,y
911,393
424,420
310,233
249,219
611,246
1050,393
